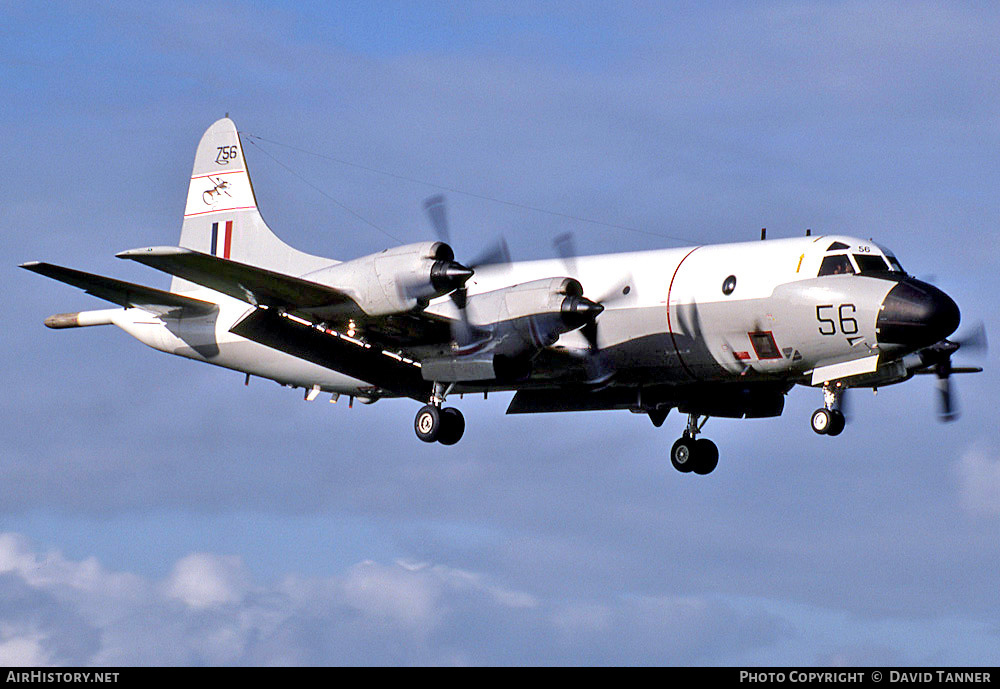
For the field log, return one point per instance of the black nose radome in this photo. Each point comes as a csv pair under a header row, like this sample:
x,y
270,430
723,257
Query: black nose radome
x,y
915,314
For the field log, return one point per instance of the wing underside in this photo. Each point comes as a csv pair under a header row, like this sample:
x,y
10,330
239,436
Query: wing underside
x,y
386,370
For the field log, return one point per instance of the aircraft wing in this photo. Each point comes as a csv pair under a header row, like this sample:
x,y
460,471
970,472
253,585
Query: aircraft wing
x,y
314,301
123,293
257,286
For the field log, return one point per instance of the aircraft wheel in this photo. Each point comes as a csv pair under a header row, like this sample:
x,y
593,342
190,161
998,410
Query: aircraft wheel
x,y
706,456
452,426
822,421
837,423
682,454
428,423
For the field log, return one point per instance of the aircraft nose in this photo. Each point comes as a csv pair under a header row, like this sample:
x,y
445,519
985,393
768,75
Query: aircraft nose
x,y
915,314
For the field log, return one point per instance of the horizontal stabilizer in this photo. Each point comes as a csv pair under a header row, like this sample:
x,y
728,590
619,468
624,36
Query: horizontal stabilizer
x,y
257,286
123,293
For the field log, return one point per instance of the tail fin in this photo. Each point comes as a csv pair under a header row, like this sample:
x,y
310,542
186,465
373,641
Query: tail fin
x,y
221,216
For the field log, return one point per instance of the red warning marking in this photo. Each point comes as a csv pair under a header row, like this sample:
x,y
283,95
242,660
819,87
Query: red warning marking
x,y
220,210
217,174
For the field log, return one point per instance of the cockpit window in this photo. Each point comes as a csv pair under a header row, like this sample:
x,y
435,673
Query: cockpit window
x,y
891,258
838,264
870,263
836,246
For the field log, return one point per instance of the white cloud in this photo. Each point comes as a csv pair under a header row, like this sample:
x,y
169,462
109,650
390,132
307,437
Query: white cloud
x,y
22,647
14,555
395,593
204,580
53,570
207,611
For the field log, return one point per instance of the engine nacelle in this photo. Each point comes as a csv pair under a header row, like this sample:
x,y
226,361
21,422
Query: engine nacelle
x,y
539,310
397,280
520,321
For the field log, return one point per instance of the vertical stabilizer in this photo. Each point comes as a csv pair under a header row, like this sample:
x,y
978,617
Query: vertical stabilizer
x,y
221,216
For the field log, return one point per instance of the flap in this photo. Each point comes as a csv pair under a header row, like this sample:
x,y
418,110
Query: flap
x,y
351,357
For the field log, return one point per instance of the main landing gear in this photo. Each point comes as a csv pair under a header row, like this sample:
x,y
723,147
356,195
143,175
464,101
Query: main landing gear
x,y
829,419
689,454
445,425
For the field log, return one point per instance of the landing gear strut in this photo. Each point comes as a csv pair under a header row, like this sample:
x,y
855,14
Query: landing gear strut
x,y
829,419
690,454
433,423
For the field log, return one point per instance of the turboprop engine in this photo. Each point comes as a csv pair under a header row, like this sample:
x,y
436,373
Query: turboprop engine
x,y
397,280
505,328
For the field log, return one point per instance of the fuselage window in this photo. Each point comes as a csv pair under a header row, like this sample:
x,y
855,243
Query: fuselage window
x,y
838,264
870,264
764,345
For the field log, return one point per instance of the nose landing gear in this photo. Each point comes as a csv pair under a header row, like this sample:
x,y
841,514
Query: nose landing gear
x,y
829,419
689,454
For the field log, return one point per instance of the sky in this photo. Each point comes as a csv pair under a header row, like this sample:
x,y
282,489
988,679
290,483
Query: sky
x,y
155,511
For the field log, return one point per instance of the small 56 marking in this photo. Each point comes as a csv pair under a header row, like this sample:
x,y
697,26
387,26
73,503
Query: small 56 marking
x,y
226,153
845,319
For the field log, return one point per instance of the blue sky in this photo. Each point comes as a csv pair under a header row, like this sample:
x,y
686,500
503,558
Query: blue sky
x,y
156,511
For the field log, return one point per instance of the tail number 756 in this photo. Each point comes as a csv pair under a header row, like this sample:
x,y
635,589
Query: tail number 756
x,y
831,317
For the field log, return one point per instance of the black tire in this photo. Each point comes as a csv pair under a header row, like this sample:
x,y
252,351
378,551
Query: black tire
x,y
837,423
706,455
821,421
427,424
452,426
683,455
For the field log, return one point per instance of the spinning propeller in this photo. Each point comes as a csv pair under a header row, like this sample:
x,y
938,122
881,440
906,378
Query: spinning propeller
x,y
463,332
937,360
599,367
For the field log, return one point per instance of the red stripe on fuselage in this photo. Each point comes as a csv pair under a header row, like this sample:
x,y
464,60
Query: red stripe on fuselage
x,y
670,327
229,238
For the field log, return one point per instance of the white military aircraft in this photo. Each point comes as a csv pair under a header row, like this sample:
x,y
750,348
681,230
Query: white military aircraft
x,y
721,331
